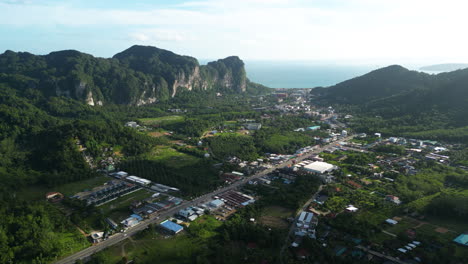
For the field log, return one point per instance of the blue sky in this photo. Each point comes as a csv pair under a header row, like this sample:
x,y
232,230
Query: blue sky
x,y
352,31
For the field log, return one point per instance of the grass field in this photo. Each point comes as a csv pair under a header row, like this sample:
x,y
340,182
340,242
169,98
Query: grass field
x,y
172,157
38,192
275,216
164,120
123,203
156,248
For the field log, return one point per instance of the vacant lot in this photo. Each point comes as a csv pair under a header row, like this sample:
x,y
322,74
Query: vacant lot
x,y
123,203
39,192
172,157
152,247
276,216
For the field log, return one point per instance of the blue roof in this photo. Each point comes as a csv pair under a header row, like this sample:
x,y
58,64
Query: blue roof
x,y
169,225
462,239
137,217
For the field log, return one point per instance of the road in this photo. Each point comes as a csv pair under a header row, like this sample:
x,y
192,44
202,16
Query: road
x,y
116,238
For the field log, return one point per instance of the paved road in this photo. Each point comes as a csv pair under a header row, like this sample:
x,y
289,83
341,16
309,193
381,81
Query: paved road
x,y
116,238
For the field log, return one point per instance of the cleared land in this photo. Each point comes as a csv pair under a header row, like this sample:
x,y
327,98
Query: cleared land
x,y
276,216
39,192
161,120
172,157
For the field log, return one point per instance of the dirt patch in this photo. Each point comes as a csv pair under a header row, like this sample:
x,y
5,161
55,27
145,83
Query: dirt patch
x,y
275,222
276,216
156,134
441,230
396,218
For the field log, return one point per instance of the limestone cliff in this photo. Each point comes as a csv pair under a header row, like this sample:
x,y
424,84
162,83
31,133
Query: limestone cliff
x,y
137,76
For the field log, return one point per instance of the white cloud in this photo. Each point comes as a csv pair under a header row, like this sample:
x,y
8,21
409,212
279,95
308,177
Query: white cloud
x,y
156,35
276,29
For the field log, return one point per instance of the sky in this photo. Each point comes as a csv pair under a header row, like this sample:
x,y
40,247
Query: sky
x,y
353,31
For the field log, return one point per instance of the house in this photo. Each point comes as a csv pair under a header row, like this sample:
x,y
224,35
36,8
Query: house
x,y
393,199
253,126
187,212
351,209
54,197
133,220
112,224
132,124
97,237
461,239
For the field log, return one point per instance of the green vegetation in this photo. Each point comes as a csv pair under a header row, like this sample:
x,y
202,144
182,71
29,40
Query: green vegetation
x,y
231,145
396,101
164,120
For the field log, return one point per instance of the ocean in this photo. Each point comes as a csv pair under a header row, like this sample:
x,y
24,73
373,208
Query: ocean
x,y
303,74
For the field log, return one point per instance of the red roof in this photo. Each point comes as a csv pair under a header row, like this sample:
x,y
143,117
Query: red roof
x,y
354,184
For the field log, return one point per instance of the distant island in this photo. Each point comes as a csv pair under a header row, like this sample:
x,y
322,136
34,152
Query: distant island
x,y
445,67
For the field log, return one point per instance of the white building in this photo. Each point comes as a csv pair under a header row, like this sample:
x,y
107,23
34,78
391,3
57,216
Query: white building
x,y
319,167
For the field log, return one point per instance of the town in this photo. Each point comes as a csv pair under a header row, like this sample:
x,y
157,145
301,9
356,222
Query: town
x,y
357,182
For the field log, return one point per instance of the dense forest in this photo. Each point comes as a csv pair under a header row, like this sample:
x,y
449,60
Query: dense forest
x,y
137,76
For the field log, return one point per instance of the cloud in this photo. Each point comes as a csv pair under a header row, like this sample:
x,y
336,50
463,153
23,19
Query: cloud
x,y
270,29
156,35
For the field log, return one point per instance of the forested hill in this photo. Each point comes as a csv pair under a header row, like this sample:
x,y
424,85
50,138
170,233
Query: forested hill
x,y
137,76
395,91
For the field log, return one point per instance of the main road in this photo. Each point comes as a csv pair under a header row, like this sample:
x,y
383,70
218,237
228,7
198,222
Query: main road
x,y
116,238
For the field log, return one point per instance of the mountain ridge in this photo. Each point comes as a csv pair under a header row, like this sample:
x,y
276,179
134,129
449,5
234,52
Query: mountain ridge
x,y
136,76
394,92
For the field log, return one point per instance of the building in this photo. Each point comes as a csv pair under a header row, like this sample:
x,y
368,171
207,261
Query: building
x,y
132,124
216,203
393,199
351,209
313,128
461,239
319,167
138,180
119,174
106,192
186,212
112,224
54,197
171,227
253,126
97,237
133,220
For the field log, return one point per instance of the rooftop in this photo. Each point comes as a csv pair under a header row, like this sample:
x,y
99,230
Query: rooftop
x,y
462,239
319,167
171,226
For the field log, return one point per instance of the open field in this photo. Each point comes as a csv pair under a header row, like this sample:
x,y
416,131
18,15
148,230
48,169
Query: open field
x,y
275,216
164,120
172,157
38,192
124,202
